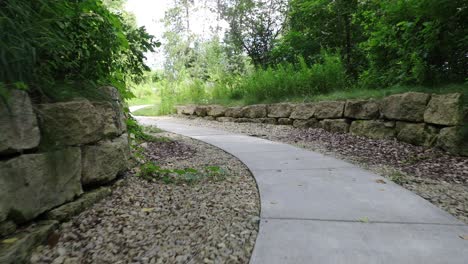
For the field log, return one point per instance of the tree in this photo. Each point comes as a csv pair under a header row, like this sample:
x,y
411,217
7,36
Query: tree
x,y
254,26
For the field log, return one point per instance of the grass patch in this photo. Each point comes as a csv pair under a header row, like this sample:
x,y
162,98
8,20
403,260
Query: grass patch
x,y
148,111
398,177
152,129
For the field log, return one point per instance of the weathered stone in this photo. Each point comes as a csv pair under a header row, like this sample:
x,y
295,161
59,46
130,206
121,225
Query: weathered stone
x,y
280,110
254,111
7,228
201,110
68,210
216,110
303,111
329,109
405,107
103,161
445,109
245,120
390,124
209,118
180,109
267,120
185,109
19,251
18,123
285,121
375,129
417,134
113,118
453,140
70,123
34,183
235,112
335,125
312,122
362,109
225,119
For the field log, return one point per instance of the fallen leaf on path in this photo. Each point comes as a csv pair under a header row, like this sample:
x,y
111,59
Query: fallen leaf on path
x,y
364,219
464,237
380,181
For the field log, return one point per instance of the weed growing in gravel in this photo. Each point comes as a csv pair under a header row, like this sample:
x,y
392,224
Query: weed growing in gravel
x,y
397,177
151,171
152,129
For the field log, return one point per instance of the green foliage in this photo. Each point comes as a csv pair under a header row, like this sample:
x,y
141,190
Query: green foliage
x,y
414,41
139,133
382,42
63,49
151,171
289,80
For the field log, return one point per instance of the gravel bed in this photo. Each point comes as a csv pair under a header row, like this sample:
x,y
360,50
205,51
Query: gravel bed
x,y
153,222
434,175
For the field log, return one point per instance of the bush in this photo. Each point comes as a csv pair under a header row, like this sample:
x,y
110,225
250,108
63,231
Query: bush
x,y
63,49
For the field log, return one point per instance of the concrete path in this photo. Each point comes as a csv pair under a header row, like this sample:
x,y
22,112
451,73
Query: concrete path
x,y
317,209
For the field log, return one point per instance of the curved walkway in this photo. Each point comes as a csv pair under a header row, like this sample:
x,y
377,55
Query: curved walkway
x,y
317,209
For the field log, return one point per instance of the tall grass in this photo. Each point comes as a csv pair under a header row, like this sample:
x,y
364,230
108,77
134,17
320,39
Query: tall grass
x,y
294,80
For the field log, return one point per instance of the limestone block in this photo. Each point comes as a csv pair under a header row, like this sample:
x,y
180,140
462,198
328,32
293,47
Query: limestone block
x,y
103,161
285,121
235,112
18,123
312,122
335,125
303,111
254,111
34,183
405,107
416,133
280,110
70,123
375,129
216,110
329,109
362,109
445,109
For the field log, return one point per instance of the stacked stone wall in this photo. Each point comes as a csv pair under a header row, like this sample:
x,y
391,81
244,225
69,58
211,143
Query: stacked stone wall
x,y
430,120
50,153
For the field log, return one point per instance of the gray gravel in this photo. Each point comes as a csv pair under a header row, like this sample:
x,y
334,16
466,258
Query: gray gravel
x,y
153,222
434,175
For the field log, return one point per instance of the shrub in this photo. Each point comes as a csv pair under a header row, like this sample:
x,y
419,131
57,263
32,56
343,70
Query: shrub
x,y
62,49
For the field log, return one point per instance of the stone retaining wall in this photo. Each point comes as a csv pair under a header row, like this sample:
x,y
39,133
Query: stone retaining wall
x,y
50,153
429,120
